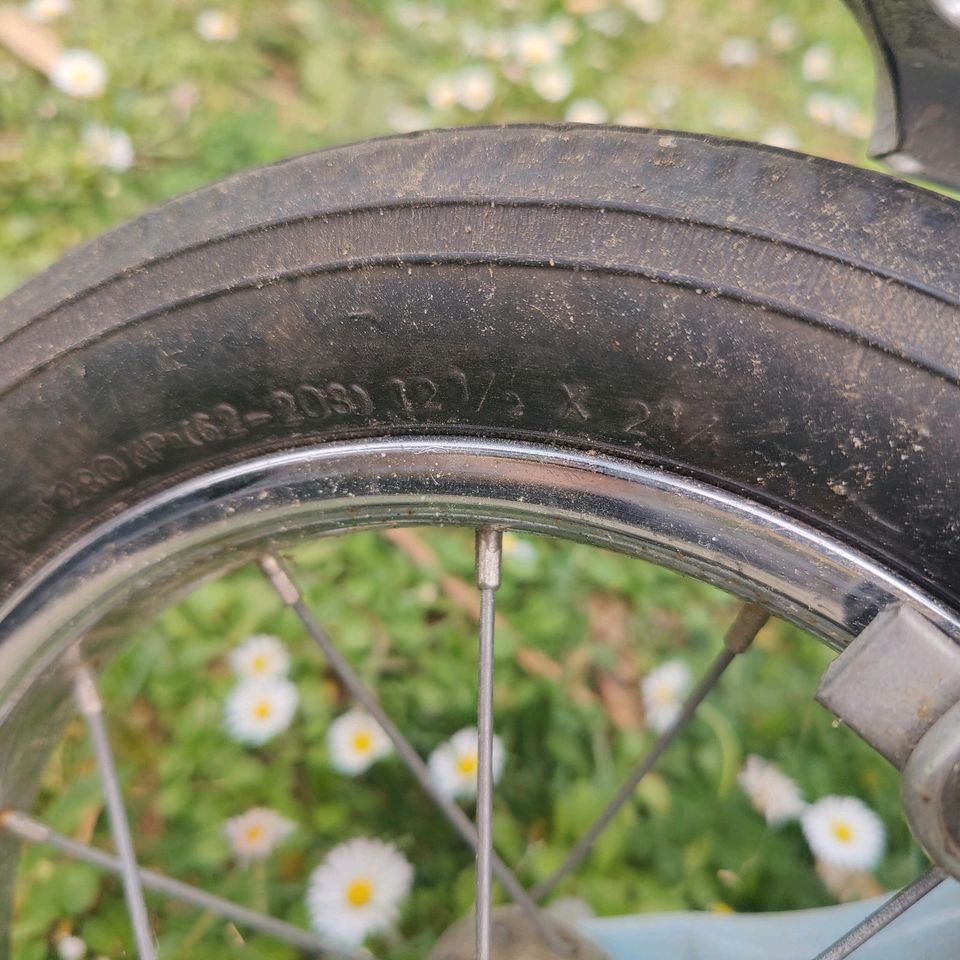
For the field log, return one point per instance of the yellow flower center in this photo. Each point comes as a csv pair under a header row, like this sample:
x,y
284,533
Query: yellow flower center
x,y
254,833
260,663
359,892
663,695
362,741
467,764
536,51
263,709
842,831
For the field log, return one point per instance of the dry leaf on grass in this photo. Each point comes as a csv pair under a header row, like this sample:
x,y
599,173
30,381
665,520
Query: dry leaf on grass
x,y
619,687
32,43
846,886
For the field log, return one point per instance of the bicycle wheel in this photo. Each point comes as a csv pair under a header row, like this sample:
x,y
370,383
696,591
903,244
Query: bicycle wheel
x,y
737,361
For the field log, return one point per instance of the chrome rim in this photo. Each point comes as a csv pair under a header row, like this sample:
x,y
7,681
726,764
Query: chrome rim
x,y
250,511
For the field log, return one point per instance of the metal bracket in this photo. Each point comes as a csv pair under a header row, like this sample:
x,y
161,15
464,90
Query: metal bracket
x,y
898,686
894,682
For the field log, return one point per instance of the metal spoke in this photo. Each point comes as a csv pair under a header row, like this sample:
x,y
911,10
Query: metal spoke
x,y
738,638
27,828
91,706
289,593
870,926
488,561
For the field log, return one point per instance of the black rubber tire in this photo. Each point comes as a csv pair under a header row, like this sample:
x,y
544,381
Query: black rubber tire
x,y
772,323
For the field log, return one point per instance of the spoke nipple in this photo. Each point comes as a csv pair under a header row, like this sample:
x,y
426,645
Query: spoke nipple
x,y
280,579
489,552
743,631
88,699
23,826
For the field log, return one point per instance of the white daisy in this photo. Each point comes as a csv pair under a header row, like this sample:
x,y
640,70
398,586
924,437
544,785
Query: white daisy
x,y
782,33
358,890
843,112
738,52
662,97
475,88
108,147
46,11
519,548
633,117
649,11
355,741
663,691
732,116
586,110
71,948
79,73
844,832
534,45
442,92
260,657
254,834
553,82
817,63
257,710
217,25
819,107
855,123
406,119
780,136
770,791
453,765
825,108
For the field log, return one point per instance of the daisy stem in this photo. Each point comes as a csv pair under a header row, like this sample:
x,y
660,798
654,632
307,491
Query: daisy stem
x,y
730,752
604,767
203,923
260,885
303,788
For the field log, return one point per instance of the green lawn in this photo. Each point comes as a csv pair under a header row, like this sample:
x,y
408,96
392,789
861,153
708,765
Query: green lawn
x,y
690,839
306,74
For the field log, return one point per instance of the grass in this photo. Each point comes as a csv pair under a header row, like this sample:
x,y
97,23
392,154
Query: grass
x,y
690,840
306,74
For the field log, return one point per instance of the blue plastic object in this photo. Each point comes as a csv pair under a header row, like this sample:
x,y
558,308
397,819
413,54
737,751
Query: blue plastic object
x,y
930,930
